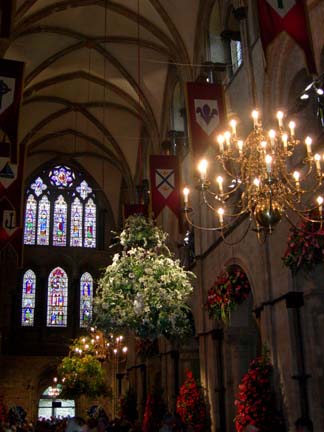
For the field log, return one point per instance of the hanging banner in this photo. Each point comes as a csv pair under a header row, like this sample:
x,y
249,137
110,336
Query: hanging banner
x,y
11,181
206,114
290,16
164,176
11,84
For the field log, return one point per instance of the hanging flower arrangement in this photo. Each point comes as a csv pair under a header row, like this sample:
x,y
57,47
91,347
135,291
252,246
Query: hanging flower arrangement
x,y
305,247
230,289
81,372
191,405
255,401
144,290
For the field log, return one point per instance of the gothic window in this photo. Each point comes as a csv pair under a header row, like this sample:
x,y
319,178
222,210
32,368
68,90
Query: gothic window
x,y
86,296
60,210
90,224
59,226
76,223
57,298
30,220
28,299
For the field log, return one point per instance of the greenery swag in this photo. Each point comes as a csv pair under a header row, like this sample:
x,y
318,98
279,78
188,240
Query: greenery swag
x,y
144,289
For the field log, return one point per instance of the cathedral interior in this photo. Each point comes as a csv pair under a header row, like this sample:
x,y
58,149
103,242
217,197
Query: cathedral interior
x,y
104,89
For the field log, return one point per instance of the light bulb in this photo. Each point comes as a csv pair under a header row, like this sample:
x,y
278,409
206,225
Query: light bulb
x,y
219,180
308,142
292,126
186,192
220,140
280,116
233,124
202,168
220,212
268,161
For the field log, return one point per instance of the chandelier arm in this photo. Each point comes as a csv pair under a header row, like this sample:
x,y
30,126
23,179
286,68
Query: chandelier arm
x,y
199,227
320,222
240,239
227,171
301,212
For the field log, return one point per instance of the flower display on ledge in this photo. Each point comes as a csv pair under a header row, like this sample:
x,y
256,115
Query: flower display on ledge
x,y
144,290
191,405
230,289
255,401
305,247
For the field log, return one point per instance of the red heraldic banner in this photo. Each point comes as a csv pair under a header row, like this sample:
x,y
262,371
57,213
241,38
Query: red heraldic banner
x,y
164,174
276,16
206,114
11,82
11,160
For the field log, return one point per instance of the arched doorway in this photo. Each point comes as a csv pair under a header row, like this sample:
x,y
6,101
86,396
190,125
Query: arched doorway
x,y
50,405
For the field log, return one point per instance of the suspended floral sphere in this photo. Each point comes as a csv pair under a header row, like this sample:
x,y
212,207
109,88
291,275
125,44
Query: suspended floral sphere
x,y
143,290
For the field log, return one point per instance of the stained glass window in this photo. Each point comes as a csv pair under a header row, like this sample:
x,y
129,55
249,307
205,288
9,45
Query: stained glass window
x,y
76,223
28,299
38,186
90,224
84,189
57,298
43,221
86,295
59,225
72,221
61,176
30,221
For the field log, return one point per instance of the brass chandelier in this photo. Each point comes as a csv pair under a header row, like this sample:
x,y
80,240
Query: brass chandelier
x,y
261,179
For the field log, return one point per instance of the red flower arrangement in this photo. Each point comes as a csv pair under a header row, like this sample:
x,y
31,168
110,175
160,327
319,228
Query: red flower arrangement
x,y
155,409
229,290
191,405
305,247
255,402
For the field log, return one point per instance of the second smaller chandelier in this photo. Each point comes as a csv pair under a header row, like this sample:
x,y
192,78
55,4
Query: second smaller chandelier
x,y
260,178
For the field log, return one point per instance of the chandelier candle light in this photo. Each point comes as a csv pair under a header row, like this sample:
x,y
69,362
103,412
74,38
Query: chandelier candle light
x,y
260,178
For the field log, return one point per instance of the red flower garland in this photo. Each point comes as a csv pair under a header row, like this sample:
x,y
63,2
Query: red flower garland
x,y
230,289
255,403
191,405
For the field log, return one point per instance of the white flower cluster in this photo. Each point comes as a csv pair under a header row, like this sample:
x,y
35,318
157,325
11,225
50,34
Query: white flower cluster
x,y
146,292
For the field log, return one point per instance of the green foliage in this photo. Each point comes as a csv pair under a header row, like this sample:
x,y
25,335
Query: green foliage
x,y
82,373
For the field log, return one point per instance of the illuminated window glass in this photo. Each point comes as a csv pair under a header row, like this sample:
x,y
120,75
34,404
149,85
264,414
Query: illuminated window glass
x,y
86,295
43,221
84,189
57,298
59,225
90,224
30,221
76,223
61,176
38,186
28,299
